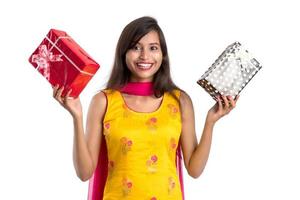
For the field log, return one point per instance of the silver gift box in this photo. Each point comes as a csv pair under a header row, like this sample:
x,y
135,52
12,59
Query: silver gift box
x,y
230,73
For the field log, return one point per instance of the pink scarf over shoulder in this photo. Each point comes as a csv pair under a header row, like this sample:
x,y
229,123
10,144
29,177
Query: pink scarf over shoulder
x,y
98,180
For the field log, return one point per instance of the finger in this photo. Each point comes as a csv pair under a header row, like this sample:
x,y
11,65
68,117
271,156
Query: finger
x,y
220,105
226,102
232,102
58,94
59,91
55,90
68,93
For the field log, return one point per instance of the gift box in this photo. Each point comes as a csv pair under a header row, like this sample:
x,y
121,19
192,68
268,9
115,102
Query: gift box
x,y
62,61
230,73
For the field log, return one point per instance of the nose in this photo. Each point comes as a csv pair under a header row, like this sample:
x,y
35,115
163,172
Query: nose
x,y
144,54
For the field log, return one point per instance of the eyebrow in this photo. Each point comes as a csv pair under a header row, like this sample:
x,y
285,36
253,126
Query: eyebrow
x,y
154,43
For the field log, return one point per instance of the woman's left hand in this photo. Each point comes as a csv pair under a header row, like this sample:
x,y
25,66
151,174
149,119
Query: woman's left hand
x,y
219,110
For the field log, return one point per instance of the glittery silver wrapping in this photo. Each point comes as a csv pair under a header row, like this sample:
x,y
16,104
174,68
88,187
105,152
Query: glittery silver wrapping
x,y
230,73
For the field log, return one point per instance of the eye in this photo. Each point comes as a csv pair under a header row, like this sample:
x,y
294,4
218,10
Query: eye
x,y
136,48
153,48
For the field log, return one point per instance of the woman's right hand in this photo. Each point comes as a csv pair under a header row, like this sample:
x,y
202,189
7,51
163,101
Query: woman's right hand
x,y
70,104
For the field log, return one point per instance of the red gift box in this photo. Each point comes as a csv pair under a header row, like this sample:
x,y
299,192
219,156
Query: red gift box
x,y
62,61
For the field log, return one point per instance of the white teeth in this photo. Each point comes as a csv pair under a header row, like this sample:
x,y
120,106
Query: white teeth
x,y
144,65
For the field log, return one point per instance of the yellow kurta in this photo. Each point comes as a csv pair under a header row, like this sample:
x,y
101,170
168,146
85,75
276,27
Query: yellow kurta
x,y
142,150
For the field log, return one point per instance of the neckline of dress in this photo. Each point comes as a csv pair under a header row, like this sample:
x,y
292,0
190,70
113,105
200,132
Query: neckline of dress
x,y
139,112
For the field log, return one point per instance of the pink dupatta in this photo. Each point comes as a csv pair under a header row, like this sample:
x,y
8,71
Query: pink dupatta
x,y
98,180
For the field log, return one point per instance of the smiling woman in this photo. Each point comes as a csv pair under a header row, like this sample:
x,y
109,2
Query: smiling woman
x,y
138,125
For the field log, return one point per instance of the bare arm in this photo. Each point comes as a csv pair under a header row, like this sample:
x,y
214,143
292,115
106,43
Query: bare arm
x,y
85,146
196,155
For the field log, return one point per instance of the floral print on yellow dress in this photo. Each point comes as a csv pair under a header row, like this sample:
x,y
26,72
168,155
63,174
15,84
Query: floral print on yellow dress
x,y
106,128
152,164
173,110
173,145
127,186
151,123
171,185
125,144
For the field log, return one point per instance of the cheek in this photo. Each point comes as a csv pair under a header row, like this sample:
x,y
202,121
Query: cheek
x,y
158,58
129,59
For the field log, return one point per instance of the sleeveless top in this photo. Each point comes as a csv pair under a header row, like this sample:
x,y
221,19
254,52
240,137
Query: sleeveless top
x,y
141,150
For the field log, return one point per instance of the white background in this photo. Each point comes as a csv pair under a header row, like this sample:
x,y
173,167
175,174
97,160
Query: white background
x,y
255,149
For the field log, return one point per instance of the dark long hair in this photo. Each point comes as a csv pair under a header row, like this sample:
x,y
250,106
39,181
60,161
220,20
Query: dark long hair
x,y
129,37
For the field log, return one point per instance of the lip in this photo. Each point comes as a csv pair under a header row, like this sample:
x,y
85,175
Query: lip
x,y
144,65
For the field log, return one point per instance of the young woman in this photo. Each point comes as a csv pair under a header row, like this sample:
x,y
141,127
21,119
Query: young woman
x,y
138,123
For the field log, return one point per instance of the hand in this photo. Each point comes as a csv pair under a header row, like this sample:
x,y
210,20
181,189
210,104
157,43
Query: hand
x,y
219,110
72,105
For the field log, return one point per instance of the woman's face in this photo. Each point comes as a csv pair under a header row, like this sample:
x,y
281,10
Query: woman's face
x,y
145,58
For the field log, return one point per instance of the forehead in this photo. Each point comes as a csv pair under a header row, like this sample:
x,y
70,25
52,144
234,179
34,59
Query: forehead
x,y
149,38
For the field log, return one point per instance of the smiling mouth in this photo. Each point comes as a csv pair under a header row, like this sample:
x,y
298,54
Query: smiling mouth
x,y
144,66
